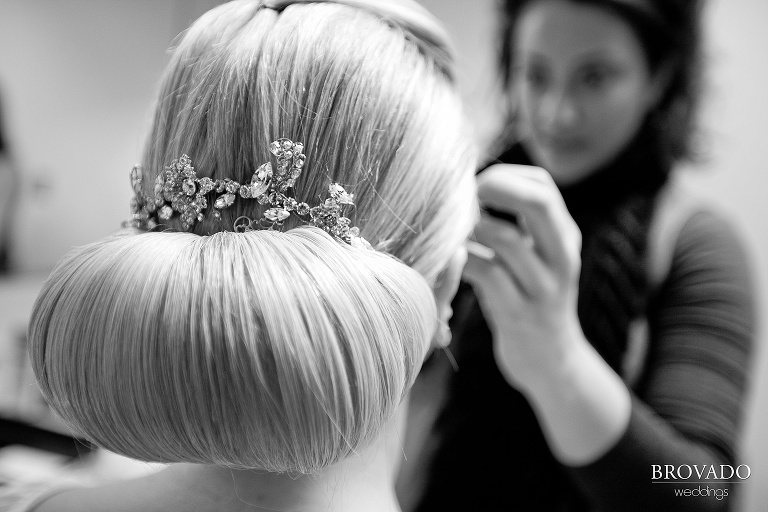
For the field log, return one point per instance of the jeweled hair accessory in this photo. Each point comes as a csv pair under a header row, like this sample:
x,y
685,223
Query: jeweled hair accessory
x,y
178,190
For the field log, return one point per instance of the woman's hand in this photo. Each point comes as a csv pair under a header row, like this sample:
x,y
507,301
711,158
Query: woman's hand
x,y
526,279
528,290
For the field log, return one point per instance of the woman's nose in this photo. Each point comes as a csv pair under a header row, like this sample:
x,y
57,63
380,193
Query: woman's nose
x,y
558,111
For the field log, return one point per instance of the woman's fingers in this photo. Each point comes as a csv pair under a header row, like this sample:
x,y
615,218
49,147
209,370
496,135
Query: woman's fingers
x,y
527,171
494,286
515,253
531,195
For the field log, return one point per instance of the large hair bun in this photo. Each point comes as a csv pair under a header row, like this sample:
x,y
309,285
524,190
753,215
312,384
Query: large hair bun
x,y
276,351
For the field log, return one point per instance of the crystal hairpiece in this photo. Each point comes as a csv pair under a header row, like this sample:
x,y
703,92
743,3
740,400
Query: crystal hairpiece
x,y
179,190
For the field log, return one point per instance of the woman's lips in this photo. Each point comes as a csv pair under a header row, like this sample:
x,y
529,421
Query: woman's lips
x,y
563,144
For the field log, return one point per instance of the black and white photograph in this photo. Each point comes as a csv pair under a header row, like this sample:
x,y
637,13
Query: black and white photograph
x,y
383,256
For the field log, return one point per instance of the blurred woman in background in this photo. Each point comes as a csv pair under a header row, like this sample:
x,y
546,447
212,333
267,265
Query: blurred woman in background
x,y
609,323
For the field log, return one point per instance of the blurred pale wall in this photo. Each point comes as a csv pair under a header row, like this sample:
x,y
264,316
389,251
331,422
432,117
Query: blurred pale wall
x,y
78,78
735,177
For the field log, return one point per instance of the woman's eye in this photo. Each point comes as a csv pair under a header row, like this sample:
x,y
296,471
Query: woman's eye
x,y
535,77
595,76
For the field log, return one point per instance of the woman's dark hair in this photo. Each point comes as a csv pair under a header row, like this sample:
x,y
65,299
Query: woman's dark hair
x,y
669,31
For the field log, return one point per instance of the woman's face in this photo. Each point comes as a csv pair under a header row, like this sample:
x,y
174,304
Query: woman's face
x,y
582,85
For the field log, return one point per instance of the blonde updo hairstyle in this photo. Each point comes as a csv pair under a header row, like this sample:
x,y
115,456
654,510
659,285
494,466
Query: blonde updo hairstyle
x,y
284,351
372,100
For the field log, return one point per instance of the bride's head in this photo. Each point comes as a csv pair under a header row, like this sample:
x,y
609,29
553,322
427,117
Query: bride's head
x,y
366,86
288,348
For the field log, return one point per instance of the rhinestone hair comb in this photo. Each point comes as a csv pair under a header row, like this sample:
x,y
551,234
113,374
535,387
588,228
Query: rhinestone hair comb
x,y
178,190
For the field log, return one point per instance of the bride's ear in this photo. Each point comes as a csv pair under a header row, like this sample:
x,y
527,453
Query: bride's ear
x,y
447,283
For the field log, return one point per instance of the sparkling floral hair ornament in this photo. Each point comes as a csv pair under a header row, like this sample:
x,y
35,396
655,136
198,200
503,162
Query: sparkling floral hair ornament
x,y
178,190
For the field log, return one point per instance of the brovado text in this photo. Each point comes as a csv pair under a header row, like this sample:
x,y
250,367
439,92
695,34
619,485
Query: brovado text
x,y
699,471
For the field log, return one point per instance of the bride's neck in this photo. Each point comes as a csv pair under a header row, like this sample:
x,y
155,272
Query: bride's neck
x,y
361,482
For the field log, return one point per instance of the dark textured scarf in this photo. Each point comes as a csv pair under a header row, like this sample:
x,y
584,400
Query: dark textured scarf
x,y
492,453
